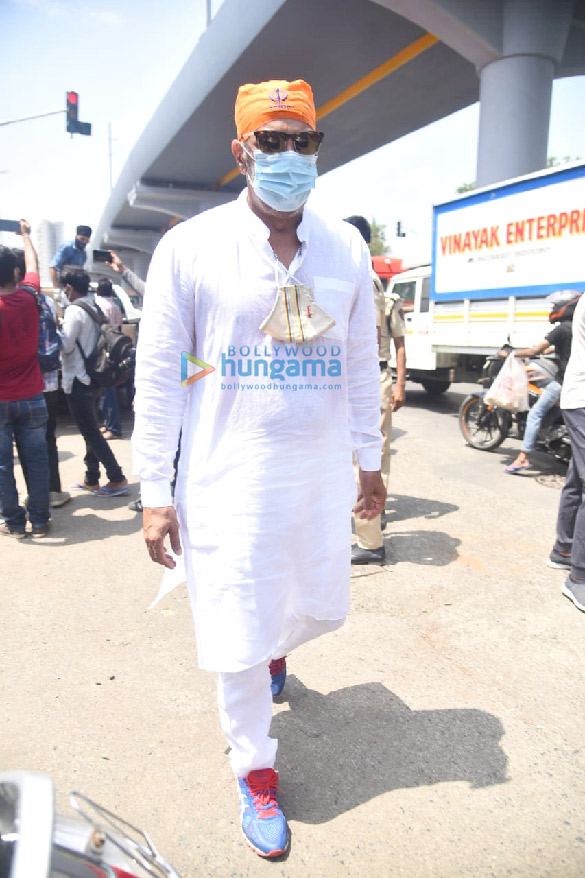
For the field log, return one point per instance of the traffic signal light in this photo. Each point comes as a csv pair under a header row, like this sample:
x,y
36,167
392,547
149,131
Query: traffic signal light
x,y
72,111
74,126
399,232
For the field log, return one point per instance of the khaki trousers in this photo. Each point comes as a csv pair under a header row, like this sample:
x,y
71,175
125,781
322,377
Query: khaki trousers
x,y
369,533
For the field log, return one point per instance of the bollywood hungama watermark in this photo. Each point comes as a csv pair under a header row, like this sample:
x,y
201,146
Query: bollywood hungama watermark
x,y
305,364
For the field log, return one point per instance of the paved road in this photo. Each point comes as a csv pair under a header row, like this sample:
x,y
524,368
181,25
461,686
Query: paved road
x,y
438,734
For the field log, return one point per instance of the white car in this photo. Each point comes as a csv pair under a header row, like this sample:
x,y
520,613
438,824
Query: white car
x,y
129,303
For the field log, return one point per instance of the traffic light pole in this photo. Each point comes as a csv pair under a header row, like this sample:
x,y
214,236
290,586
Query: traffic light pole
x,y
26,118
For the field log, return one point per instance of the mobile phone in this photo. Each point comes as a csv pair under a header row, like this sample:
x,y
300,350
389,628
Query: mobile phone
x,y
9,225
102,256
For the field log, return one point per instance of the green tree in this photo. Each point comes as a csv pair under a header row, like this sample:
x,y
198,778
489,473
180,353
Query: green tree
x,y
378,245
466,187
553,162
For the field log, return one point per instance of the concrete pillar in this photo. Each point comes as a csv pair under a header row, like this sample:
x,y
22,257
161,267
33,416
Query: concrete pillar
x,y
515,91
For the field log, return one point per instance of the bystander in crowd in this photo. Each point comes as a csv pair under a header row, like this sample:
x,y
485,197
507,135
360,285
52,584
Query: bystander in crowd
x,y
104,299
80,333
49,348
569,548
71,254
369,546
558,340
23,411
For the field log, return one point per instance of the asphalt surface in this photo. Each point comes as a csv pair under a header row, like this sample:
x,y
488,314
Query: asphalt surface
x,y
439,733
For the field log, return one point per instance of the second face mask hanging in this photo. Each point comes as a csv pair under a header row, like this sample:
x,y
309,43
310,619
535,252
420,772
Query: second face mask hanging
x,y
296,316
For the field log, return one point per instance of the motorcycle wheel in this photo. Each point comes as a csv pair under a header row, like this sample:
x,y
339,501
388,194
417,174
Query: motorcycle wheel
x,y
482,427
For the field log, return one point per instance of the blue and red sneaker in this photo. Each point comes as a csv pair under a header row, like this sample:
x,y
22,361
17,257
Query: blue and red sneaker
x,y
263,823
277,675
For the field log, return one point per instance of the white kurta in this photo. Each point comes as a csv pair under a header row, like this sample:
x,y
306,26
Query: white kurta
x,y
265,484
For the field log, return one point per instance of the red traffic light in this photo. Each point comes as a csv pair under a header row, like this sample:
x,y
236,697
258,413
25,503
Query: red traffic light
x,y
74,126
71,111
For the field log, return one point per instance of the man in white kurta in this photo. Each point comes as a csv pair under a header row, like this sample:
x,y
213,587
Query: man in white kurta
x,y
265,485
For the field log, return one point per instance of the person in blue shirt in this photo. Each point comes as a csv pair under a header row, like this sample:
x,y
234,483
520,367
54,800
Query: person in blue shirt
x,y
71,253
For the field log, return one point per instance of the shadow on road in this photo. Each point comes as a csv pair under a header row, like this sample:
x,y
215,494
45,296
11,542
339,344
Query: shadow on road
x,y
399,507
342,749
542,463
448,403
430,548
85,519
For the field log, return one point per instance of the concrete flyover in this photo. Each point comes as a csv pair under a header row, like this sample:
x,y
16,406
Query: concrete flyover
x,y
380,69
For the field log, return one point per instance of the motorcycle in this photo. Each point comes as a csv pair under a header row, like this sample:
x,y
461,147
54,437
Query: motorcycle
x,y
36,843
486,426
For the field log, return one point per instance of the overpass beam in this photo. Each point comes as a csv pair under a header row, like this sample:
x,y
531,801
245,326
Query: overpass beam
x,y
516,90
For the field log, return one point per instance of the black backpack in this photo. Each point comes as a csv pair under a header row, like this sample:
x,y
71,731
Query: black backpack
x,y
112,360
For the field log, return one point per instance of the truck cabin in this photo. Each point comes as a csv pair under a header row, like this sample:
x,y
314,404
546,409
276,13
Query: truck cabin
x,y
386,267
406,288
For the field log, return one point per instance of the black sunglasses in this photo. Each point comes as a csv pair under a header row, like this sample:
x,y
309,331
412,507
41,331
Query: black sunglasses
x,y
305,142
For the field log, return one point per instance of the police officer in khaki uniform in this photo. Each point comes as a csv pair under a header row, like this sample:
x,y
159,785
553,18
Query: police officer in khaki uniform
x,y
369,548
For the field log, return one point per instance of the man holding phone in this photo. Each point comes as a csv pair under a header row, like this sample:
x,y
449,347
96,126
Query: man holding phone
x,y
113,261
71,253
23,412
7,225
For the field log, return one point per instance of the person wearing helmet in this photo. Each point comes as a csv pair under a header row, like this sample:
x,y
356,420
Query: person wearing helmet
x,y
563,304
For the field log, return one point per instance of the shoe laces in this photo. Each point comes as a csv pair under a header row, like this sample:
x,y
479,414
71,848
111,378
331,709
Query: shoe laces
x,y
277,666
263,785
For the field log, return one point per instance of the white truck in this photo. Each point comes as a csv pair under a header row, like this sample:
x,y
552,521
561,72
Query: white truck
x,y
496,254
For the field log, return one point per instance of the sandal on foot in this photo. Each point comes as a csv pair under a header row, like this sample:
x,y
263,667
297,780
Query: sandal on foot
x,y
112,492
91,488
515,468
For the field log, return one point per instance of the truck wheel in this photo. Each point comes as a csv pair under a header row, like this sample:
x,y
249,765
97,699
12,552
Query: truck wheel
x,y
434,388
481,426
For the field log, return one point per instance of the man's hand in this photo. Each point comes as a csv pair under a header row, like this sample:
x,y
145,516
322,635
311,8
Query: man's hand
x,y
157,522
372,495
398,397
31,262
115,263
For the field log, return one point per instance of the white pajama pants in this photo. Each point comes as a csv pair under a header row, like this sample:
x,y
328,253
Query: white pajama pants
x,y
244,700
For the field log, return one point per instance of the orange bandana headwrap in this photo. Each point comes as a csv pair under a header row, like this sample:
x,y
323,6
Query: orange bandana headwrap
x,y
262,102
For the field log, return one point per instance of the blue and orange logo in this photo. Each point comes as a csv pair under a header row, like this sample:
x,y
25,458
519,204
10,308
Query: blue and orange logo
x,y
187,363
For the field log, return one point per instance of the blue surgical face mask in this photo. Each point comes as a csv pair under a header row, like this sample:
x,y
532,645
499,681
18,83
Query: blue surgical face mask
x,y
80,245
283,180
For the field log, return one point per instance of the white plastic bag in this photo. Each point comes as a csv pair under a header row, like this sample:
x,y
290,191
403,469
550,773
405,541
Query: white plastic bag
x,y
510,389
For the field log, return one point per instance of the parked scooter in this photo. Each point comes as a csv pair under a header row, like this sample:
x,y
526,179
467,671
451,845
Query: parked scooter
x,y
36,843
486,426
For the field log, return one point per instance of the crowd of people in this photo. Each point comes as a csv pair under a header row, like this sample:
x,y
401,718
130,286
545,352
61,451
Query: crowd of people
x,y
41,354
267,273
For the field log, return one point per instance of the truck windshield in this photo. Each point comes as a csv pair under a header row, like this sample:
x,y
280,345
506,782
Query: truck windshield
x,y
406,290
